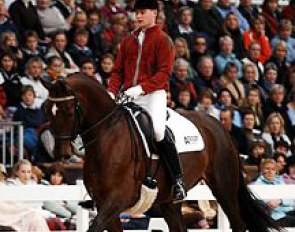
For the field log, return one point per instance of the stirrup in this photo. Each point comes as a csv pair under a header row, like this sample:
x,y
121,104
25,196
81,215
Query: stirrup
x,y
179,193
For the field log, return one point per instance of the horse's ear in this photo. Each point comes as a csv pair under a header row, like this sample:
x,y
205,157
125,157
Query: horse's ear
x,y
47,84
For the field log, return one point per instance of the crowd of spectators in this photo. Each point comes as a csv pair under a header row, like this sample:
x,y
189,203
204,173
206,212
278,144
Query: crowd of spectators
x,y
234,62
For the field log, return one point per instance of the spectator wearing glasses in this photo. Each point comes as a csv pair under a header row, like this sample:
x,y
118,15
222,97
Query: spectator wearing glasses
x,y
200,49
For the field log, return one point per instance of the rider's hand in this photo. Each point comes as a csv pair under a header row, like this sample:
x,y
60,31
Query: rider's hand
x,y
134,92
111,95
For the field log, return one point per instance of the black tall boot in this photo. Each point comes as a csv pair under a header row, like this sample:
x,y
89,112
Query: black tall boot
x,y
169,155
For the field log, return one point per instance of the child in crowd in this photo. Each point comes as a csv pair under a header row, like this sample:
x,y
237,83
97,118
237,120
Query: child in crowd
x,y
33,119
105,68
79,49
258,150
55,69
88,67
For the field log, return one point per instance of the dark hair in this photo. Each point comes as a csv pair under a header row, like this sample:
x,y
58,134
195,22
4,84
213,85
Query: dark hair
x,y
89,60
81,31
57,168
28,88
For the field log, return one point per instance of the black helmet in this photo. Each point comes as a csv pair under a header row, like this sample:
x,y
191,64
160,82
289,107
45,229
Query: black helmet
x,y
146,4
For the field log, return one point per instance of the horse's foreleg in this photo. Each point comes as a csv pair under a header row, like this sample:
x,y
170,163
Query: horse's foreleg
x,y
107,219
172,215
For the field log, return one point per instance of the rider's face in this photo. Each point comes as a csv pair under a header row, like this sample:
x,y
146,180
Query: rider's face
x,y
146,18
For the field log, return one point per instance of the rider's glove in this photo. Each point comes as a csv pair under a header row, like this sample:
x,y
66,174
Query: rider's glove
x,y
134,92
111,95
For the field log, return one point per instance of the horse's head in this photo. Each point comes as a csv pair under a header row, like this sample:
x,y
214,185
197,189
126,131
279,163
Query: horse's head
x,y
64,114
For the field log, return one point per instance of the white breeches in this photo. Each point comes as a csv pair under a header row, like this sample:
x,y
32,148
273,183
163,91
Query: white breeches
x,y
155,104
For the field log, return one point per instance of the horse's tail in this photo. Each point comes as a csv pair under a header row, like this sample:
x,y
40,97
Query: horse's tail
x,y
253,211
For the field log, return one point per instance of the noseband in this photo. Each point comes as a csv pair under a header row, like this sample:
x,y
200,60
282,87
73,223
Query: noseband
x,y
78,114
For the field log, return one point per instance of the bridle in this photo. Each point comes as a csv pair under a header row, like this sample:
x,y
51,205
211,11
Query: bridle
x,y
78,115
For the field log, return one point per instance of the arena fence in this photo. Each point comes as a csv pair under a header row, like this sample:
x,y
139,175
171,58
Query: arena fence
x,y
12,146
78,192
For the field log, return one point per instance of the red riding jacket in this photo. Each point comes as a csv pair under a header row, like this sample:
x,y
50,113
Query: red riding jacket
x,y
149,65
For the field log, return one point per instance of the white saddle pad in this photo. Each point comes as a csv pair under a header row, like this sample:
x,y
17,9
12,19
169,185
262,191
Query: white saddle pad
x,y
187,136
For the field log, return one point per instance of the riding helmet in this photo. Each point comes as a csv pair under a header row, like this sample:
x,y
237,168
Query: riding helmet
x,y
146,4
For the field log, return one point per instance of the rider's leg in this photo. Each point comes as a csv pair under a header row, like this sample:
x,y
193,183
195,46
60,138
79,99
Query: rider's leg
x,y
155,104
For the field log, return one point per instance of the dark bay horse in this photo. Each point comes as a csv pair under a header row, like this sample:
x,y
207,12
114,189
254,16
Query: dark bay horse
x,y
113,175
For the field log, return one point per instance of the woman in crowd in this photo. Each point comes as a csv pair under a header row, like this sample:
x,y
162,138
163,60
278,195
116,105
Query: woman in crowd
x,y
274,131
281,210
58,48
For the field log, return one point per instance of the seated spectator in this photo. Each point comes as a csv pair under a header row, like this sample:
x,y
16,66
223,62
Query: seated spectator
x,y
248,128
184,28
279,58
249,74
88,67
105,68
10,80
226,55
33,118
179,80
79,49
271,13
51,18
205,103
225,6
208,20
254,104
268,80
282,147
280,159
206,77
285,31
291,113
55,69
62,209
31,48
181,48
274,131
184,99
229,80
9,43
224,100
24,14
200,49
276,103
160,21
257,153
231,27
257,34
58,48
253,55
289,175
33,74
239,138
279,208
6,24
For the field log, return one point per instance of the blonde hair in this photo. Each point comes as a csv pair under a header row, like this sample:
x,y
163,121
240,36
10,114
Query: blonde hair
x,y
184,42
23,162
269,120
38,173
264,162
247,65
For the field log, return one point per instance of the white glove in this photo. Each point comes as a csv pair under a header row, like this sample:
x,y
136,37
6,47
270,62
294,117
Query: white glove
x,y
134,92
111,95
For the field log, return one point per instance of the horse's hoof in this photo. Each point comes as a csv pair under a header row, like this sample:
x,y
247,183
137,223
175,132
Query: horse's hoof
x,y
89,204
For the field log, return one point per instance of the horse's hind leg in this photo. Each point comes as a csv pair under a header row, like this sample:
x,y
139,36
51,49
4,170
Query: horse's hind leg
x,y
225,190
172,215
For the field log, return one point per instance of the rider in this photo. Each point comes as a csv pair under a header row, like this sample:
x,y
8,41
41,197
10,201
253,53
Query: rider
x,y
144,64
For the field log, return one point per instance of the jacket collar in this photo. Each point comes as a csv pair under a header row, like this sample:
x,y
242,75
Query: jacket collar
x,y
148,30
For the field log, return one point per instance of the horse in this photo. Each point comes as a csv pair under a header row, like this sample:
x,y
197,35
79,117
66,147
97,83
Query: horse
x,y
114,174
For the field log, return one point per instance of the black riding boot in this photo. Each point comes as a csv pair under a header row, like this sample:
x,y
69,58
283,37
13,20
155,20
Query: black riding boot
x,y
169,155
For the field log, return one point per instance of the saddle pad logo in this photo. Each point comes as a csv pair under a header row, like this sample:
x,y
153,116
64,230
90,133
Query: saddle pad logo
x,y
190,139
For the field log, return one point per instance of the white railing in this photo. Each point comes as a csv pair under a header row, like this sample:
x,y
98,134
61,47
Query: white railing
x,y
78,192
12,142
